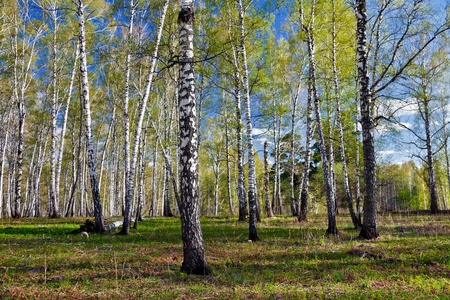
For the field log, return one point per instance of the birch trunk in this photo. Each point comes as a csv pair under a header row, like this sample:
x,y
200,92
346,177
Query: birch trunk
x,y
64,124
240,150
98,211
167,210
348,195
2,161
331,156
304,181
141,191
194,261
430,159
105,147
227,154
22,78
444,131
126,134
269,211
369,227
137,134
253,235
294,204
154,209
76,171
53,201
332,229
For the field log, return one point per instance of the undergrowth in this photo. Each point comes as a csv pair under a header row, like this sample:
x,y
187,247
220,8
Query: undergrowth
x,y
411,260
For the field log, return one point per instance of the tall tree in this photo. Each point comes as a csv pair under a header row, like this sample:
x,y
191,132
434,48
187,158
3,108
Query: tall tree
x,y
252,201
309,31
194,261
386,69
137,134
348,194
98,210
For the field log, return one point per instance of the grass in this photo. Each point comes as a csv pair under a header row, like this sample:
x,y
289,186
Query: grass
x,y
411,260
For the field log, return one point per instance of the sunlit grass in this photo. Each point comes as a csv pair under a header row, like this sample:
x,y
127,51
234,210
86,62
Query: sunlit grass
x,y
411,260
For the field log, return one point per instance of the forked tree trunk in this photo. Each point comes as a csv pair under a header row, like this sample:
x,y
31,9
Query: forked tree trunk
x,y
194,260
369,227
98,211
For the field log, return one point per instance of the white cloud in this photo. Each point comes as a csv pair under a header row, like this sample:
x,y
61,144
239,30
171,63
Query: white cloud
x,y
259,131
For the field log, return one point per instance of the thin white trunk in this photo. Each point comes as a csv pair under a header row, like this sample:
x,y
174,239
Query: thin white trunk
x,y
98,210
2,160
64,124
138,130
332,229
253,235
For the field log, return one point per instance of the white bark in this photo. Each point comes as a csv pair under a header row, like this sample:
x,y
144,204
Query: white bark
x,y
138,130
64,124
98,210
253,235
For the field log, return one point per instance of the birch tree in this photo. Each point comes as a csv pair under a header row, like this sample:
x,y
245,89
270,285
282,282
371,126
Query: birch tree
x,y
194,261
330,196
137,134
252,201
98,210
386,68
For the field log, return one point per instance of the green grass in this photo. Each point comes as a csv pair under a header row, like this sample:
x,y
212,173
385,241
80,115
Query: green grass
x,y
411,260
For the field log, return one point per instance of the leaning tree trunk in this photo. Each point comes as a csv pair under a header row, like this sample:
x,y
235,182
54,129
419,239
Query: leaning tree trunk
x,y
332,229
98,211
253,235
304,181
294,203
194,261
64,127
269,210
348,195
137,134
369,227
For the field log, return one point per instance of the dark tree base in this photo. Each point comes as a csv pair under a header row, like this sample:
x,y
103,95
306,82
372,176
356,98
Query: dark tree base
x,y
368,233
204,269
332,231
88,227
254,238
302,218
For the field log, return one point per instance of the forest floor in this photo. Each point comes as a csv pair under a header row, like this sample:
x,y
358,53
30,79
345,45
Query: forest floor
x,y
410,260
